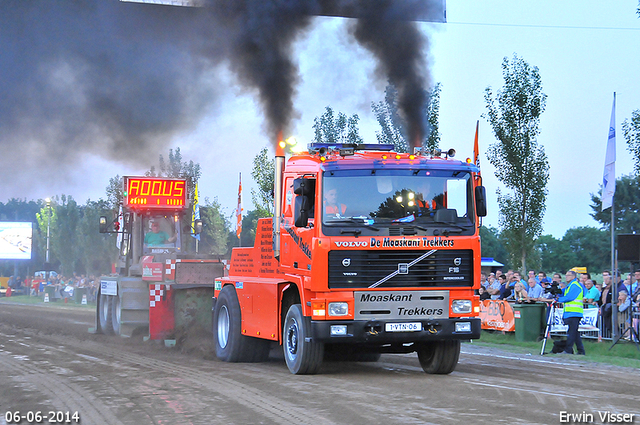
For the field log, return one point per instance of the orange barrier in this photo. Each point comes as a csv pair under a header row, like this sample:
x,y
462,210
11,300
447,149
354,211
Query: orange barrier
x,y
497,315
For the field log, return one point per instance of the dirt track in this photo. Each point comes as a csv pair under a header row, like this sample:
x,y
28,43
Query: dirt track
x,y
49,362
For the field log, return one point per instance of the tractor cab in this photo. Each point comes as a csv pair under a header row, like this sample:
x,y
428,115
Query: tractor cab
x,y
161,234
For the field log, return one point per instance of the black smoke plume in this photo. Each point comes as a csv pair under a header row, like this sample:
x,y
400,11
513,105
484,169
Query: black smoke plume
x,y
261,34
121,80
113,79
400,48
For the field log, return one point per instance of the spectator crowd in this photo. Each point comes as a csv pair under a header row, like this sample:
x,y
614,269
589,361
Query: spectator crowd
x,y
511,286
61,287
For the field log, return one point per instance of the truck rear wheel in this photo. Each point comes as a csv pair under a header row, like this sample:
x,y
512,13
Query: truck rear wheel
x,y
104,314
302,355
439,357
231,345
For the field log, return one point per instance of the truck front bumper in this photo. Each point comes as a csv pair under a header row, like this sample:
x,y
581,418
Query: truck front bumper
x,y
374,331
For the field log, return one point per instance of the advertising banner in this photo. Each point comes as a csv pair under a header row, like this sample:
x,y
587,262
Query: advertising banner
x,y
497,315
589,321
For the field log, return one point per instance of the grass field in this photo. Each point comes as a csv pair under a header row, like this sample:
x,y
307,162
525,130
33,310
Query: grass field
x,y
624,353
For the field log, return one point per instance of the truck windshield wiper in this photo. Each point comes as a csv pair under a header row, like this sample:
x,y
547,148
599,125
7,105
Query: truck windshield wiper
x,y
361,221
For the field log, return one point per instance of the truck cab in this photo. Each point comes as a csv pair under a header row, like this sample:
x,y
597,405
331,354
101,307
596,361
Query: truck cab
x,y
377,251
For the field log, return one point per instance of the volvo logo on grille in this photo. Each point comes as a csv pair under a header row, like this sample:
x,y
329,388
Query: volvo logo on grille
x,y
403,268
457,261
346,262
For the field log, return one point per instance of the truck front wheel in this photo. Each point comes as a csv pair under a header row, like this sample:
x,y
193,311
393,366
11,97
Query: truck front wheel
x,y
439,357
302,355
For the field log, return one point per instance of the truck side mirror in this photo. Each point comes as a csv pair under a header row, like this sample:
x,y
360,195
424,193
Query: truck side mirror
x,y
128,222
304,190
481,201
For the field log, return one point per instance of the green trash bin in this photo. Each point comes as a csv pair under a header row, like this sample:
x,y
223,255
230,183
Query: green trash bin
x,y
51,291
78,293
528,318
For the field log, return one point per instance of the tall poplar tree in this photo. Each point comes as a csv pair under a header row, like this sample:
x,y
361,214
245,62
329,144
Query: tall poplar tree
x,y
393,125
521,163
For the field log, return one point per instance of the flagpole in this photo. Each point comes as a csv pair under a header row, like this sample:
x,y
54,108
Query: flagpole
x,y
608,195
239,211
613,229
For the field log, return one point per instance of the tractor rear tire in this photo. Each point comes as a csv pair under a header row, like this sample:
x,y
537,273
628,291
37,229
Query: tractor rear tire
x,y
104,314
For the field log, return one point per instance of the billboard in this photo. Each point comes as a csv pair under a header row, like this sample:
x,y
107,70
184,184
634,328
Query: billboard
x,y
15,240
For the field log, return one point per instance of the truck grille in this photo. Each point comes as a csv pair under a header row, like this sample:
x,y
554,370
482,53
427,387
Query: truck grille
x,y
400,268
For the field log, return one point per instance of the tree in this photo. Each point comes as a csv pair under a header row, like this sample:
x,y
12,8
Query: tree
x,y
555,255
215,231
626,203
47,217
114,192
521,164
588,244
393,126
263,173
96,250
64,233
336,130
631,130
492,245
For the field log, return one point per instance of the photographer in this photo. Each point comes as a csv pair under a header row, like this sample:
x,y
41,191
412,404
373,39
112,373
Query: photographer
x,y
572,297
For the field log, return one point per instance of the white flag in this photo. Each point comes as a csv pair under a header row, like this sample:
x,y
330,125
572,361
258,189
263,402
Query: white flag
x,y
609,177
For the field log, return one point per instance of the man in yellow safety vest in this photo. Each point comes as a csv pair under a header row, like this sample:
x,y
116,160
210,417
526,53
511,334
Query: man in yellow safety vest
x,y
572,296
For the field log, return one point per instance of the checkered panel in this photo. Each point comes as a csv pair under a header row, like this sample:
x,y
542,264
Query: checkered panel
x,y
156,292
170,269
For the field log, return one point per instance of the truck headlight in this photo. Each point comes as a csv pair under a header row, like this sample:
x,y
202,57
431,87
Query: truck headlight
x,y
338,309
461,306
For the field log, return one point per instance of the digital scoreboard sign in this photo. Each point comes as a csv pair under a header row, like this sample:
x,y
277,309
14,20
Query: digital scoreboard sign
x,y
155,193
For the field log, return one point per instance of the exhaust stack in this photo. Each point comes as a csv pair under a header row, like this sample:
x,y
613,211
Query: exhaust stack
x,y
277,196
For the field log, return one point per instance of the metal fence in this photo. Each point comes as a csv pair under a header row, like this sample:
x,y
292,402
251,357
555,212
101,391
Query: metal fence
x,y
604,333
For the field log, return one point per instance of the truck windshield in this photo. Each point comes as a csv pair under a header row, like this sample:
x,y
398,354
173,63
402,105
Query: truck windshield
x,y
382,198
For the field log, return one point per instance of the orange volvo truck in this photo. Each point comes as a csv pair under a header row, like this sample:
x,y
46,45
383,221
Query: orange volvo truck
x,y
159,288
370,251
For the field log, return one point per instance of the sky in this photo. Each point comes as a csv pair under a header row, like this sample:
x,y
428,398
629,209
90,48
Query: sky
x,y
584,50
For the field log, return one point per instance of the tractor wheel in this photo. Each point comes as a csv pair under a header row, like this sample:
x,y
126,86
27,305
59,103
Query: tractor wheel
x,y
104,314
